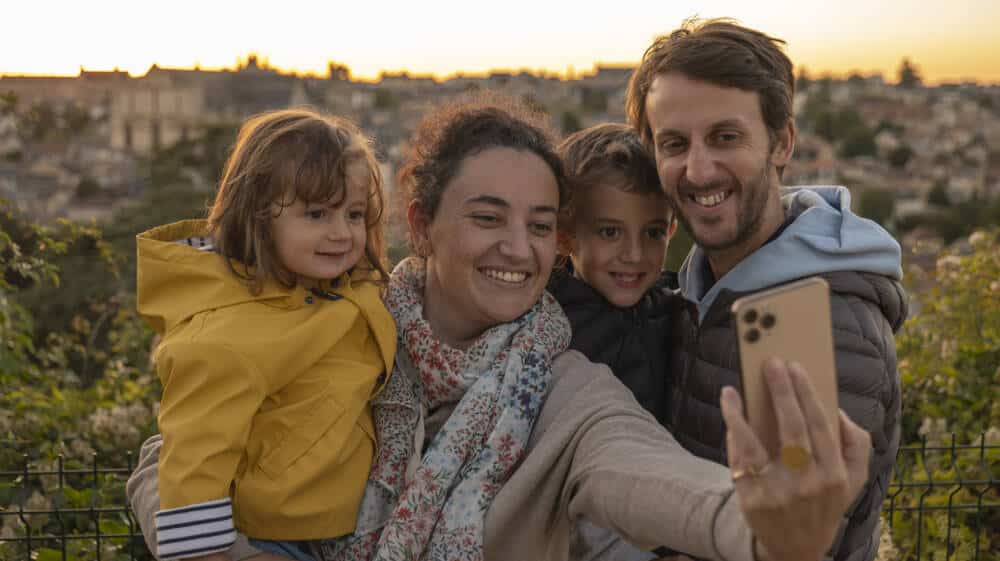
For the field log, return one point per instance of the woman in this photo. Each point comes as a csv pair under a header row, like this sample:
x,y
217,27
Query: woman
x,y
494,440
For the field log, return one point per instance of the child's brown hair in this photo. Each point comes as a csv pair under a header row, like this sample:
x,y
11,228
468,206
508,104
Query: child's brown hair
x,y
296,152
610,153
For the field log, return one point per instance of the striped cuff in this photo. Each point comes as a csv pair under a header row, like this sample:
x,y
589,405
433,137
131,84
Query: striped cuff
x,y
194,530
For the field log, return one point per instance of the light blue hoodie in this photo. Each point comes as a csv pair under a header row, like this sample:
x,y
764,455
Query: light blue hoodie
x,y
825,236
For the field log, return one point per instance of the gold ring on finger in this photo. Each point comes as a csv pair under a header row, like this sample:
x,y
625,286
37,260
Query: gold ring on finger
x,y
795,458
749,471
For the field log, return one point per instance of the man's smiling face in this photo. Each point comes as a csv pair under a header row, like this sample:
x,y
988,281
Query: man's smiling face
x,y
716,161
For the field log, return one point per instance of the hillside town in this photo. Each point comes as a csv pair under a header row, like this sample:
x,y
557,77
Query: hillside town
x,y
83,147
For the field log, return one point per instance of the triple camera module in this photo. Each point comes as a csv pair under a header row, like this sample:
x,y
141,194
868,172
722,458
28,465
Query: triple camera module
x,y
751,316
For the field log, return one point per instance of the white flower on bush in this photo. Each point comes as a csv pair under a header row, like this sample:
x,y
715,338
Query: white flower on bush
x,y
120,424
81,450
934,430
28,424
886,548
992,436
6,422
949,263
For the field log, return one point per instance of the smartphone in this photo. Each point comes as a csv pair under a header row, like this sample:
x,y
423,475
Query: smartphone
x,y
791,322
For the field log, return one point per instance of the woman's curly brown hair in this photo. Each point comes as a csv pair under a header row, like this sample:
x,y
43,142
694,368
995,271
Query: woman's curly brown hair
x,y
457,130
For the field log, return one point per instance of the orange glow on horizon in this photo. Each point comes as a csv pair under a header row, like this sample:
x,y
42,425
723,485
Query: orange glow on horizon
x,y
947,42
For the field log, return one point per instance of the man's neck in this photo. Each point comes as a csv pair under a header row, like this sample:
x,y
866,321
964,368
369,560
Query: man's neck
x,y
722,261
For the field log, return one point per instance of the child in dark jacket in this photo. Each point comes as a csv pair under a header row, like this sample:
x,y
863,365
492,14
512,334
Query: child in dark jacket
x,y
613,237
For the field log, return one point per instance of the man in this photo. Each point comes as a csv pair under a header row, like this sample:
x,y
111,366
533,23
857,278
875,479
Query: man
x,y
713,102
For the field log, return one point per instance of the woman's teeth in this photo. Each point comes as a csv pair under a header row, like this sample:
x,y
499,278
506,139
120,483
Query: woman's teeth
x,y
714,199
505,276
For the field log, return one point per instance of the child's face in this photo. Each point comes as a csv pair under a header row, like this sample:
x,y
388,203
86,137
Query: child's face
x,y
618,241
319,241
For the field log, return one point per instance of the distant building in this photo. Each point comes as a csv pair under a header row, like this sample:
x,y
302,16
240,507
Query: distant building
x,y
88,88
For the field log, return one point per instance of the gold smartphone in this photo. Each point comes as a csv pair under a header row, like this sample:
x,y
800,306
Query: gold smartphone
x,y
791,322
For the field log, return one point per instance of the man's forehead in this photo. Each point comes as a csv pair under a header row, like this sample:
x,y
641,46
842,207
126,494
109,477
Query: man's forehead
x,y
677,100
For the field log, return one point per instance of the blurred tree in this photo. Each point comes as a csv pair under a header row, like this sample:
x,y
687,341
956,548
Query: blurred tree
x,y
8,103
530,101
76,117
899,157
858,140
938,195
680,246
338,71
569,122
87,188
593,100
803,81
889,125
40,121
384,99
877,204
909,75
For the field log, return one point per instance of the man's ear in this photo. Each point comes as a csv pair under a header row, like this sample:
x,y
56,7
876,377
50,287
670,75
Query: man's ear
x,y
419,224
784,144
672,229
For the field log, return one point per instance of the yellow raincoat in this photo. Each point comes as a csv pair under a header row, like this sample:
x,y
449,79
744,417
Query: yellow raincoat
x,y
266,397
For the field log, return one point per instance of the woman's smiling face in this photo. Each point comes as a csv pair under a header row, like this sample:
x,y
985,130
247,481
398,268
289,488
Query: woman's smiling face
x,y
491,244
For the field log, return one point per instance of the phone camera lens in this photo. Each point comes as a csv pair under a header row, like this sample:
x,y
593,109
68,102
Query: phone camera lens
x,y
752,335
750,316
767,321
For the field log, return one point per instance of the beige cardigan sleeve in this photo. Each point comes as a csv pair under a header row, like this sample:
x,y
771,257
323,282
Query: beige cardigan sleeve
x,y
595,454
143,491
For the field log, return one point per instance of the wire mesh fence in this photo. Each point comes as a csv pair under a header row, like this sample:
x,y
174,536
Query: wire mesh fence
x,y
943,504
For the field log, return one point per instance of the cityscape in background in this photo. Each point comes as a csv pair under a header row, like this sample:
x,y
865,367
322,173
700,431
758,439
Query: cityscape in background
x,y
88,146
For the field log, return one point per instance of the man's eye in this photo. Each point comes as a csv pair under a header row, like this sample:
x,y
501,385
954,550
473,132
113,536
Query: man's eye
x,y
673,145
609,232
727,137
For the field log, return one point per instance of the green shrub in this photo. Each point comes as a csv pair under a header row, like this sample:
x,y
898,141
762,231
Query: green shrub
x,y
51,413
949,355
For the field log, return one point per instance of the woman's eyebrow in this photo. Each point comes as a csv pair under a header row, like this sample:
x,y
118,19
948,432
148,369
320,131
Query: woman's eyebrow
x,y
497,201
488,199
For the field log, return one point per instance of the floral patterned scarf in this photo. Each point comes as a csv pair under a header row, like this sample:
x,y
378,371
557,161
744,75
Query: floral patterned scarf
x,y
428,500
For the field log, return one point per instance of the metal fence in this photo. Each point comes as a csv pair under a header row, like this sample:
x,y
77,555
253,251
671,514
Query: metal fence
x,y
943,504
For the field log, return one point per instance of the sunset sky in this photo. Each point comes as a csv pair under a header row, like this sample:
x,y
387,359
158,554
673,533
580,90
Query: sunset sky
x,y
948,40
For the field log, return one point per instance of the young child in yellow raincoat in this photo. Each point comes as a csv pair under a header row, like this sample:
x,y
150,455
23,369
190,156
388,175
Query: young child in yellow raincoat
x,y
274,341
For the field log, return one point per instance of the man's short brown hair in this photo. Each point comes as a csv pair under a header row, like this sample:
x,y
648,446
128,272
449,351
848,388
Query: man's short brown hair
x,y
721,52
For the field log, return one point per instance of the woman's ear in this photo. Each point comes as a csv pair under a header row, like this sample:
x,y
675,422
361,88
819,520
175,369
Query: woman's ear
x,y
672,229
419,224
